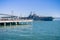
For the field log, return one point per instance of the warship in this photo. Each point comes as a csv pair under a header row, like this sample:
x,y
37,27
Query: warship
x,y
35,17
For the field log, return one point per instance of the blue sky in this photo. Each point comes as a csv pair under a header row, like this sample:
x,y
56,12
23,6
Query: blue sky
x,y
24,7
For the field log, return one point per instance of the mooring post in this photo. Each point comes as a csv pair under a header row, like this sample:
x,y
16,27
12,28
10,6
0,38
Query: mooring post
x,y
4,24
16,23
10,23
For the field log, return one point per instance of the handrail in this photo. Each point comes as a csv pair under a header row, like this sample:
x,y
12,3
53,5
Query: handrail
x,y
12,19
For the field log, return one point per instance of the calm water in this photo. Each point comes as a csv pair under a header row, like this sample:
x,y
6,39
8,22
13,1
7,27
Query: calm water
x,y
39,30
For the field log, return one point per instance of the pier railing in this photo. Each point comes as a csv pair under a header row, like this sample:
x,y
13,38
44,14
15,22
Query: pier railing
x,y
15,20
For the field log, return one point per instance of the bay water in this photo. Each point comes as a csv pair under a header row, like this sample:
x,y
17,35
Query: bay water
x,y
38,30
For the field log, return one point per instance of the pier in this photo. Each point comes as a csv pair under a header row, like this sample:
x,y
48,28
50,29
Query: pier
x,y
15,22
6,19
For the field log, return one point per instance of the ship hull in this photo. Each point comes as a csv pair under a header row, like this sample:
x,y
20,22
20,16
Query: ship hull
x,y
43,19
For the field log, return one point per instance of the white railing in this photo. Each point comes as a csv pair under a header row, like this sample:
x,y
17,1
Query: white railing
x,y
15,20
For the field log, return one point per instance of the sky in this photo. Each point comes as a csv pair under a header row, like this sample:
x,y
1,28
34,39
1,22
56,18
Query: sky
x,y
24,7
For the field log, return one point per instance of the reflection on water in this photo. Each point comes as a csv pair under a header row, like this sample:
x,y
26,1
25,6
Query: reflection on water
x,y
42,30
46,30
17,31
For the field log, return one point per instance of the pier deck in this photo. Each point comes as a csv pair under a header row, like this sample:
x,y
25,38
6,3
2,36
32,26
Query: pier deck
x,y
21,21
2,21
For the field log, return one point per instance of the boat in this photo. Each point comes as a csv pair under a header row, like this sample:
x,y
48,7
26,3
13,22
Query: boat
x,y
35,17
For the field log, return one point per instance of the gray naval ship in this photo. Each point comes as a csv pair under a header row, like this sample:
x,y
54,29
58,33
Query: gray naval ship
x,y
37,18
